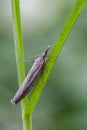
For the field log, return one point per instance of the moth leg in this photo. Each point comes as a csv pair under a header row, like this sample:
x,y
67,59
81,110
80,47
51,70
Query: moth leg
x,y
29,61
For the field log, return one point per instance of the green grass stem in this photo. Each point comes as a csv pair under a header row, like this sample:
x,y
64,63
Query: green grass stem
x,y
28,106
78,7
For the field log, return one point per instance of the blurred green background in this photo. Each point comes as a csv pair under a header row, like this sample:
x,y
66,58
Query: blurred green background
x,y
63,102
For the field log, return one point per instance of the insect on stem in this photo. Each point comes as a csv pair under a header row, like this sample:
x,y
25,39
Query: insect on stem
x,y
31,77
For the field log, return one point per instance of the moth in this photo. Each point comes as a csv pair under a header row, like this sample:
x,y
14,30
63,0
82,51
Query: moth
x,y
31,77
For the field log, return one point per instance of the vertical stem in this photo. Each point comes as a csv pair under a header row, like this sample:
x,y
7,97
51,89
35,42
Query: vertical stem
x,y
27,122
18,40
19,53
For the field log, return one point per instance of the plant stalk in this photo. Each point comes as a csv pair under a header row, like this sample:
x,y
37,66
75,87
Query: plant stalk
x,y
19,54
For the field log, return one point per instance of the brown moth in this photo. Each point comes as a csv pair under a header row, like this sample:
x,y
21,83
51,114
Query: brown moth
x,y
31,77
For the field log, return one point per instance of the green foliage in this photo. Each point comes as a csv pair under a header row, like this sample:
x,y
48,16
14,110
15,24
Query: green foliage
x,y
28,106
